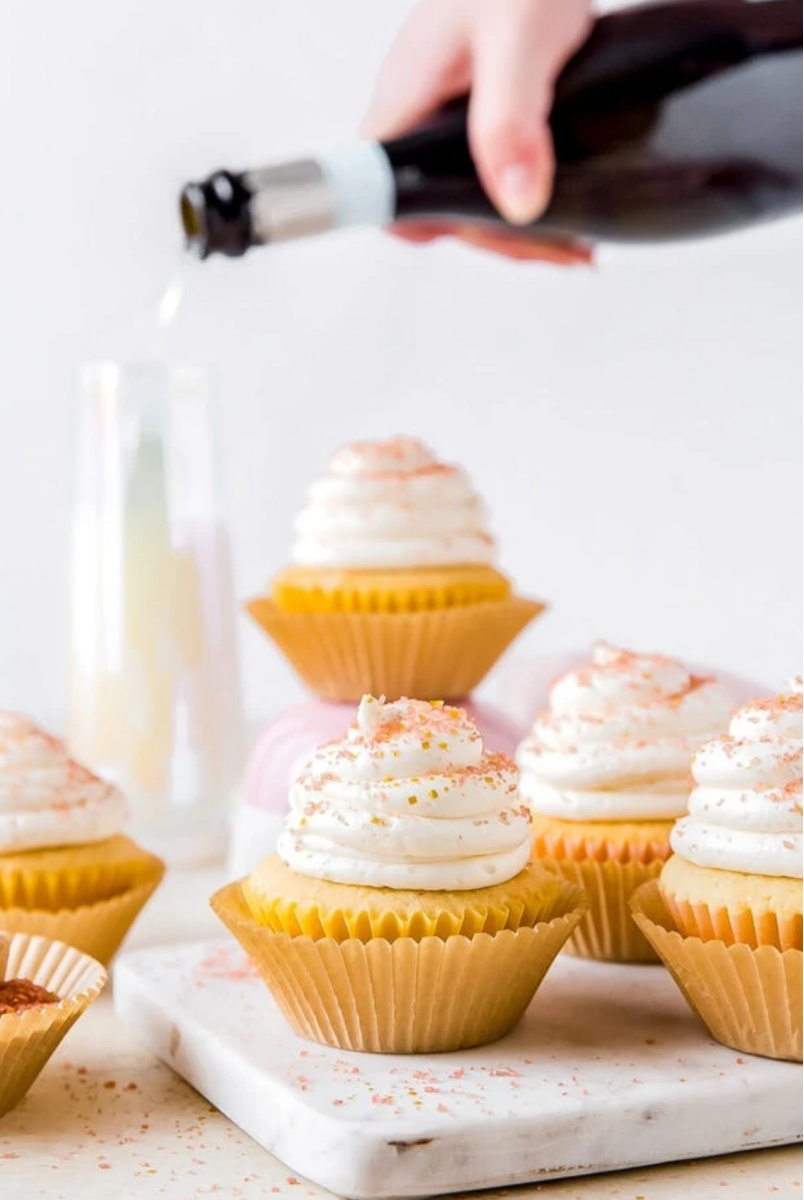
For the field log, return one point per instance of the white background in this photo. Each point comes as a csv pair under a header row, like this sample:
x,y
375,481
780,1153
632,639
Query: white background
x,y
635,429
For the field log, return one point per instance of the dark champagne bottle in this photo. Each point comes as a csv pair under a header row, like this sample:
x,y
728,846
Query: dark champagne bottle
x,y
673,120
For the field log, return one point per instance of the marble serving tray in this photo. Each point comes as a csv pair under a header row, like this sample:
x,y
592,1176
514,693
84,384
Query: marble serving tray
x,y
609,1069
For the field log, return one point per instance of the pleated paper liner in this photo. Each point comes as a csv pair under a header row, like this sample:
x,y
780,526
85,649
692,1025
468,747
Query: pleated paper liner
x,y
607,931
288,902
405,996
440,654
28,1038
96,929
759,912
749,998
609,860
73,876
319,589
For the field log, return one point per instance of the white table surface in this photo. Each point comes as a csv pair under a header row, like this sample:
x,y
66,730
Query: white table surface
x,y
107,1121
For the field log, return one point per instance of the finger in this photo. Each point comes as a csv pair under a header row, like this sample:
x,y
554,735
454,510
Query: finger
x,y
518,48
422,232
566,252
561,253
428,64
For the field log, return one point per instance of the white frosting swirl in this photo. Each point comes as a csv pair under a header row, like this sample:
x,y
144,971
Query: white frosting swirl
x,y
616,741
46,799
392,504
407,799
745,811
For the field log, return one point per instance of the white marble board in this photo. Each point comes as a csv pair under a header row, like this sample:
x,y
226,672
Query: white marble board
x,y
609,1069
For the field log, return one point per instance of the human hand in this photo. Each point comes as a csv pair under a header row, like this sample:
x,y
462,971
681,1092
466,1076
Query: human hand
x,y
507,55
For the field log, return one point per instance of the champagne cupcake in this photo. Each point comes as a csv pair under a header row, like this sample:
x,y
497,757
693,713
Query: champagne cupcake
x,y
737,867
605,771
66,870
393,585
401,913
726,916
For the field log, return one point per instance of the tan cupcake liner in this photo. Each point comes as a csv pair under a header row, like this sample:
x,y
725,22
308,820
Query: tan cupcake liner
x,y
743,925
602,841
749,998
54,887
608,932
286,902
96,929
443,654
28,1038
405,996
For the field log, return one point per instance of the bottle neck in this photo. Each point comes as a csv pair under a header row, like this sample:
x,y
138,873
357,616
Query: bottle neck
x,y
353,185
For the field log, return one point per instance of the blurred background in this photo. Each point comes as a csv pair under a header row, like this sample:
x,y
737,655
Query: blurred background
x,y
636,429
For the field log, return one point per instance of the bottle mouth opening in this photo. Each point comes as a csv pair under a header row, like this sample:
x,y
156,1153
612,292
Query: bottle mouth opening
x,y
192,206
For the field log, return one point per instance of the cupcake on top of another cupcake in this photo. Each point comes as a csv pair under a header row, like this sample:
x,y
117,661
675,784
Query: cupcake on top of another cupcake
x,y
725,915
401,912
389,528
66,869
605,771
393,585
737,866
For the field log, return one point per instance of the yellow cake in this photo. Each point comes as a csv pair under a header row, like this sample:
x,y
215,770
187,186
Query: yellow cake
x,y
401,913
66,870
401,590
736,871
605,772
734,906
725,915
287,902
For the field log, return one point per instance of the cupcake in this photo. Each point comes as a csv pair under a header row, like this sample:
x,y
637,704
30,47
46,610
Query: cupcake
x,y
736,870
392,585
401,913
44,988
66,870
605,771
726,915
283,748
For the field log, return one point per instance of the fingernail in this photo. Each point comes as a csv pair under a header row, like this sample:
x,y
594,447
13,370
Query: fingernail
x,y
522,193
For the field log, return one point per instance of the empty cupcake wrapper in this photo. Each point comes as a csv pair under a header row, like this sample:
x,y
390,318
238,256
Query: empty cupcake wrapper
x,y
29,1037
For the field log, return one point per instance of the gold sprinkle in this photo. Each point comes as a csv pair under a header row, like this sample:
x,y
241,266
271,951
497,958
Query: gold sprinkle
x,y
412,800
443,745
433,794
436,703
425,745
